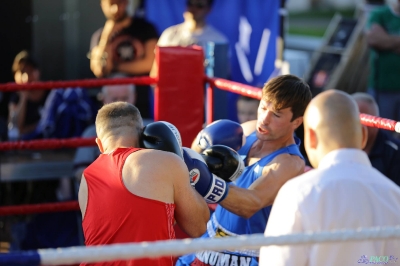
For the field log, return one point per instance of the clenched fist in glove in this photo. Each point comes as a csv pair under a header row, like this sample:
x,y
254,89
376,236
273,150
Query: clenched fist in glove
x,y
224,162
212,188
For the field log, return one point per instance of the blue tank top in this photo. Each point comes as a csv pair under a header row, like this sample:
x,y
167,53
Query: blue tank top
x,y
223,222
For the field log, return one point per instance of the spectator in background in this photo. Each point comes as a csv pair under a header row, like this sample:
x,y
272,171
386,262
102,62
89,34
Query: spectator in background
x,y
124,45
25,107
246,109
383,37
383,150
194,29
66,114
26,112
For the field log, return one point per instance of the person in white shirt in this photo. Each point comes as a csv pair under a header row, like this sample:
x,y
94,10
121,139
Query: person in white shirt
x,y
194,29
343,192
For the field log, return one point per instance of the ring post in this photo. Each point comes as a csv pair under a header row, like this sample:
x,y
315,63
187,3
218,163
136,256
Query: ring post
x,y
209,107
179,94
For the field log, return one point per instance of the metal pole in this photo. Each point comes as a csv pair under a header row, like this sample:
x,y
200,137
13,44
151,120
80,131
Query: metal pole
x,y
282,16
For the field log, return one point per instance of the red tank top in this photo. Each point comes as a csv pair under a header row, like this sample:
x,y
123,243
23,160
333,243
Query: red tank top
x,y
115,215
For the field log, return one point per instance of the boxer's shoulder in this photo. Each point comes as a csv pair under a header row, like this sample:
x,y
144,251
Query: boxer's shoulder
x,y
153,159
285,164
145,154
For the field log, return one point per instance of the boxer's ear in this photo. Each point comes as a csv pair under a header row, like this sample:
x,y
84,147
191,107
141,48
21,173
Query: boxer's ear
x,y
364,136
312,138
100,145
297,122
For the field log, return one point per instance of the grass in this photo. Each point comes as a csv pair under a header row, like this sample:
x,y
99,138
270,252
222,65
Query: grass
x,y
314,22
321,13
318,32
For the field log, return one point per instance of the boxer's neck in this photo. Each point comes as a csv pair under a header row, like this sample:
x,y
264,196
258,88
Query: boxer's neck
x,y
111,144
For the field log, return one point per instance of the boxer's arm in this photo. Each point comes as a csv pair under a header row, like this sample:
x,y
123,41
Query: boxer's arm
x,y
101,62
82,195
379,39
191,211
262,193
164,177
141,65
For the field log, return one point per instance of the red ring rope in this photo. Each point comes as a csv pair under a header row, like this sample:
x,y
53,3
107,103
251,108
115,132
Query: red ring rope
x,y
40,208
47,144
235,87
374,121
367,120
83,83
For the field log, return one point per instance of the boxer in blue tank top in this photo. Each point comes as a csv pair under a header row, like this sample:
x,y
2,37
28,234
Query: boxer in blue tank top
x,y
272,156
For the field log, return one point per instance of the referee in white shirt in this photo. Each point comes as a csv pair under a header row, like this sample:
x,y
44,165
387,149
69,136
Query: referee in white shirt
x,y
343,191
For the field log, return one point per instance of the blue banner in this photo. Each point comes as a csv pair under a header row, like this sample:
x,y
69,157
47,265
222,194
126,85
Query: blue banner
x,y
251,26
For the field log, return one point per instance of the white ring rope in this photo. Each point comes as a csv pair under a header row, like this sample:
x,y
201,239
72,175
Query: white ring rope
x,y
74,255
397,127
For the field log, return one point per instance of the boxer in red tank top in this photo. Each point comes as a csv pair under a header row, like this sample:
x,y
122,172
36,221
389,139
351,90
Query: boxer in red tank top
x,y
133,195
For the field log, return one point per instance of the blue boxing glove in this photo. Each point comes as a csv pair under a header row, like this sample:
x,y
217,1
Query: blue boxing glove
x,y
223,132
162,136
212,188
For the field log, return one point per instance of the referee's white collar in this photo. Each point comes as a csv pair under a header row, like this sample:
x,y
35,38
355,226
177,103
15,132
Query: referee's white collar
x,y
344,155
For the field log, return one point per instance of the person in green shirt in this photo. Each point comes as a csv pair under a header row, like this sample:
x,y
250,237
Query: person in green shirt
x,y
383,37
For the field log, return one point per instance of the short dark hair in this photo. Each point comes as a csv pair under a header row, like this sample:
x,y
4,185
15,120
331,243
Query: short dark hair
x,y
113,118
288,91
22,59
210,2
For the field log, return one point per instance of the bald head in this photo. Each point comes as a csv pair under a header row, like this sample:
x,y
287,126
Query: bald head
x,y
331,121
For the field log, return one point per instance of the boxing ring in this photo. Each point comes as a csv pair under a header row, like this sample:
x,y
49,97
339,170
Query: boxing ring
x,y
179,85
73,255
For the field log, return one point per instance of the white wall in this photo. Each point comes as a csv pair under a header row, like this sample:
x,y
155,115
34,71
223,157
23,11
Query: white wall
x,y
298,5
